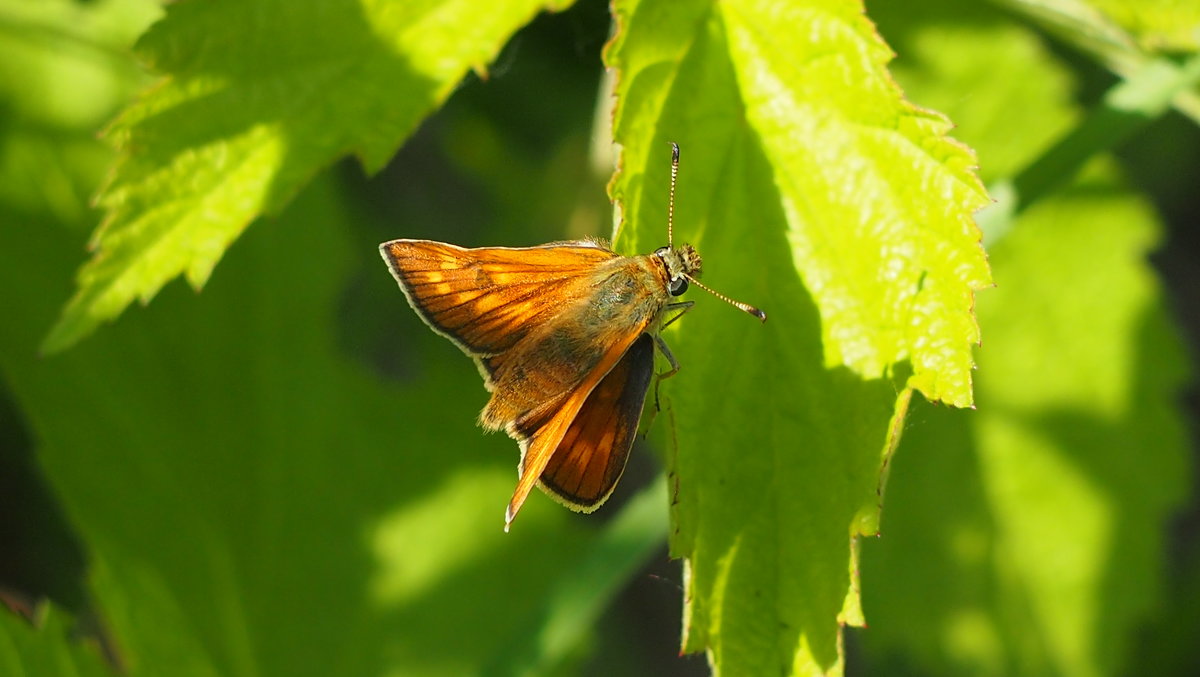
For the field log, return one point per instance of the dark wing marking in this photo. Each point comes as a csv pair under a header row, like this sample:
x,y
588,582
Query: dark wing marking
x,y
584,470
542,430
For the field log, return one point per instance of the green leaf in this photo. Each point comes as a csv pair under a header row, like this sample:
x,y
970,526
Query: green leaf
x,y
1102,28
1126,108
258,97
252,501
817,193
951,46
1025,537
878,201
1026,533
45,649
1157,24
64,71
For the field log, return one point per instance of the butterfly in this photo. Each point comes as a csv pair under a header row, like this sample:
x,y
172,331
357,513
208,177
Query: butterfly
x,y
564,336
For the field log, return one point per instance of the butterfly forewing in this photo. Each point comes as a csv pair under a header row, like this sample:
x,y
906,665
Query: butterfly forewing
x,y
589,460
487,299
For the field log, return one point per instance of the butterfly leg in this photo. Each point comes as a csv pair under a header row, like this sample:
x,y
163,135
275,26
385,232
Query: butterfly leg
x,y
679,308
682,307
666,351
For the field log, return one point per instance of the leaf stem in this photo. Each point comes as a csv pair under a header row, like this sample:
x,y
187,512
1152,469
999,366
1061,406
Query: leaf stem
x,y
1128,107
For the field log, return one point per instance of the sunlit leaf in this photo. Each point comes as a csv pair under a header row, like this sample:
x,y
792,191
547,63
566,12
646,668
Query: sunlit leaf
x,y
257,98
1032,516
814,191
1157,24
64,71
1026,537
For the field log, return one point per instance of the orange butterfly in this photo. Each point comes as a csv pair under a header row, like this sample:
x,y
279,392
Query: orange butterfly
x,y
563,335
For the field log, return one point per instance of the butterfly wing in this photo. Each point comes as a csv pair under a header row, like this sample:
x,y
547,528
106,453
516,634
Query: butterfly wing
x,y
524,316
583,471
542,431
486,300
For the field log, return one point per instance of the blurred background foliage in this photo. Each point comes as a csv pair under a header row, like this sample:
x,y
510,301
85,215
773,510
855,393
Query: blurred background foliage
x,y
211,486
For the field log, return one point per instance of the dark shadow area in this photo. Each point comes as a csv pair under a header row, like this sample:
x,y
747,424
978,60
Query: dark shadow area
x,y
1163,162
40,556
935,497
640,633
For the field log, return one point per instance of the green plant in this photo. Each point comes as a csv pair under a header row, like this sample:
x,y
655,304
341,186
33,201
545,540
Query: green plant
x,y
279,476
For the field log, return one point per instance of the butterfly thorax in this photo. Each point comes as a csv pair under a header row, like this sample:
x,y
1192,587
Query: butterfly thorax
x,y
594,323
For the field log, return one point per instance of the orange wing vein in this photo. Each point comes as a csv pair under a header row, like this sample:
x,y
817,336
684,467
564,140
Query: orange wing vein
x,y
541,432
584,470
486,300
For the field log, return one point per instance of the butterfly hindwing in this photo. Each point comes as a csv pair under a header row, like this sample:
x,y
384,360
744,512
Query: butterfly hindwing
x,y
584,470
542,433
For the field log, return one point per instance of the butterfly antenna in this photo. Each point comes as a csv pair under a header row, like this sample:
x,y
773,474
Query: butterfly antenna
x,y
671,197
745,307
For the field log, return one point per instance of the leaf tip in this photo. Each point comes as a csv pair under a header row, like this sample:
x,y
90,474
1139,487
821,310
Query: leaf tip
x,y
64,334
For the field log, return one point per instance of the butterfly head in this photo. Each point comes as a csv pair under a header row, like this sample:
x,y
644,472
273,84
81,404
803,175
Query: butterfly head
x,y
682,264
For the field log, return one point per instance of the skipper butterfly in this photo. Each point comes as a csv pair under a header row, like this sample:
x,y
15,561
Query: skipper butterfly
x,y
564,336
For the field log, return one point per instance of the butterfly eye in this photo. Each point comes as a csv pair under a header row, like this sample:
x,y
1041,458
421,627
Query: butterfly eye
x,y
678,286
